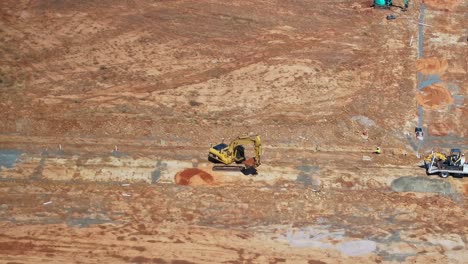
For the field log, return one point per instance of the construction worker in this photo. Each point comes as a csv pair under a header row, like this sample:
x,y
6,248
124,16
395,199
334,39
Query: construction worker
x,y
460,160
454,159
378,150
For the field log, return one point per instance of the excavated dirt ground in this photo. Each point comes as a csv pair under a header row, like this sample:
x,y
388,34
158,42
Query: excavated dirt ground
x,y
108,109
434,97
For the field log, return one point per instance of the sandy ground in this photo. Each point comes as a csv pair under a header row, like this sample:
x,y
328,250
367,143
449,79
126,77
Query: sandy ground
x,y
106,105
349,219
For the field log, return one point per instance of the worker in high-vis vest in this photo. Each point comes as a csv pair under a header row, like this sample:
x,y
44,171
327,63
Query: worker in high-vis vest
x,y
378,150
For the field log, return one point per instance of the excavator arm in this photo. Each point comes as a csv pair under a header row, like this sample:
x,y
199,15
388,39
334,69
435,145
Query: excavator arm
x,y
242,140
437,155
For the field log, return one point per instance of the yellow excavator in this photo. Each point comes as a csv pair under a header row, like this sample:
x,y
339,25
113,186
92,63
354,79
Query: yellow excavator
x,y
235,153
437,155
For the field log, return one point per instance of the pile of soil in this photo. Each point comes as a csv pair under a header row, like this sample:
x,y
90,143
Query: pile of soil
x,y
193,177
432,66
434,97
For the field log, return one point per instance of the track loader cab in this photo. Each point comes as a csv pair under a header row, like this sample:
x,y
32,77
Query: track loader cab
x,y
239,153
455,155
214,158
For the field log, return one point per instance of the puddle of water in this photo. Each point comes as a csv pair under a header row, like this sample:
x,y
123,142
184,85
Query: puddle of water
x,y
458,100
8,157
357,247
364,121
308,180
308,168
322,237
453,87
118,154
85,222
429,80
398,257
422,184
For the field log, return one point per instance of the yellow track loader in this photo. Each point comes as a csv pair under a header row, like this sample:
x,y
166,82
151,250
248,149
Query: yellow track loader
x,y
234,153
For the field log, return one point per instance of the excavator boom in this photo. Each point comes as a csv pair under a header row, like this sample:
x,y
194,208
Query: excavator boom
x,y
245,140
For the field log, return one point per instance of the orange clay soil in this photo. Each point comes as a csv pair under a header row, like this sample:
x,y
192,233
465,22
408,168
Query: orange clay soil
x,y
432,66
434,97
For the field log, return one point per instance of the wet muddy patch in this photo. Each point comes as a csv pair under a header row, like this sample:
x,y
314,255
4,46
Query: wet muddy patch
x,y
309,177
326,238
86,222
423,185
9,157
